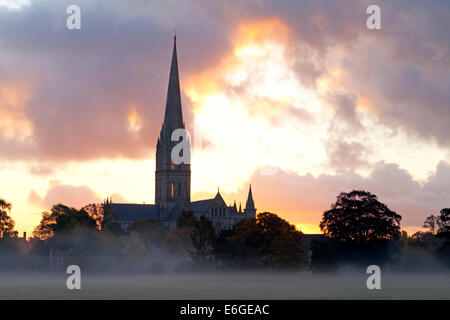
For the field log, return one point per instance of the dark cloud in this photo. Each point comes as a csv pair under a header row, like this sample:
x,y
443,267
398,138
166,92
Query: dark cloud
x,y
346,118
347,156
403,69
85,83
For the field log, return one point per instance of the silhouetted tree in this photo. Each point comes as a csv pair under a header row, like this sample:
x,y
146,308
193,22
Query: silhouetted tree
x,y
68,219
204,240
6,222
96,212
44,230
267,241
431,222
443,222
425,240
179,240
362,225
149,231
108,222
444,235
61,221
186,219
359,217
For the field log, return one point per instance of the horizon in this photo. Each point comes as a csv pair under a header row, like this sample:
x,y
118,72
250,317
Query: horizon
x,y
301,108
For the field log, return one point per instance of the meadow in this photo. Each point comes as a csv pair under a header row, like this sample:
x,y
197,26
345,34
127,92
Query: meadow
x,y
233,285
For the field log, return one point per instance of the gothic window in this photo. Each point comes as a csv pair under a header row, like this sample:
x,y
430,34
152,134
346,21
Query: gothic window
x,y
171,189
172,165
179,189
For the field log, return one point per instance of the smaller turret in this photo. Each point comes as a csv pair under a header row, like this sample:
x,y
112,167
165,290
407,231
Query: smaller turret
x,y
250,205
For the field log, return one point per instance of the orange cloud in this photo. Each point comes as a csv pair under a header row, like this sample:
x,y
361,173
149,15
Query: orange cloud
x,y
14,122
134,120
252,41
260,31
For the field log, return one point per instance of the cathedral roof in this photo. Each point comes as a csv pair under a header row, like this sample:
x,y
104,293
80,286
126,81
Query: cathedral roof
x,y
133,212
201,205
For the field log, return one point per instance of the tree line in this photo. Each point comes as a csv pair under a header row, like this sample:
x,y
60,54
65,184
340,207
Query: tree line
x,y
357,229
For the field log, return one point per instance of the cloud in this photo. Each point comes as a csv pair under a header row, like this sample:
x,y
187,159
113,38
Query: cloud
x,y
74,196
84,85
403,71
34,197
41,169
303,198
346,156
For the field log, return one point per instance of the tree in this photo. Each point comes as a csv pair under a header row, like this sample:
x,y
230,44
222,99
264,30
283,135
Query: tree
x,y
204,240
149,231
178,242
443,222
267,241
62,220
68,219
108,222
431,222
365,230
6,222
44,230
424,240
444,236
186,219
96,212
359,217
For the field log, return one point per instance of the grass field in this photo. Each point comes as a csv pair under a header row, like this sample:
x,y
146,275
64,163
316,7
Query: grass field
x,y
227,286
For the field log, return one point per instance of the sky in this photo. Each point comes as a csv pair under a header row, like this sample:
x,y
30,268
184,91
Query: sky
x,y
297,98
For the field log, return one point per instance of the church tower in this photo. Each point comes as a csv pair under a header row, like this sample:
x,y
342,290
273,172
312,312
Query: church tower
x,y
173,182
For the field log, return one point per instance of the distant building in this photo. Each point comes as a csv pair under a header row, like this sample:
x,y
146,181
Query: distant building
x,y
16,242
173,182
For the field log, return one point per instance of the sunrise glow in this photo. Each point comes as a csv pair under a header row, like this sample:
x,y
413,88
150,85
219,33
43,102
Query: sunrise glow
x,y
273,106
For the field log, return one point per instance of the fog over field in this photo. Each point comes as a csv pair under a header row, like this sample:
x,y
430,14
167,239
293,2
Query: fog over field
x,y
233,285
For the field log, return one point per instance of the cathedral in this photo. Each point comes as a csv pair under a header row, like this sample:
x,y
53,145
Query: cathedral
x,y
173,181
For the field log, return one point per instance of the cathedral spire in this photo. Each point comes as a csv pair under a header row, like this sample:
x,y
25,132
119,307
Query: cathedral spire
x,y
173,117
172,181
